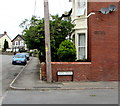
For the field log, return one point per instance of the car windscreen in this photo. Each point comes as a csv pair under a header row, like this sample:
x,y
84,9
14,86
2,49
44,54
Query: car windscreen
x,y
19,56
26,54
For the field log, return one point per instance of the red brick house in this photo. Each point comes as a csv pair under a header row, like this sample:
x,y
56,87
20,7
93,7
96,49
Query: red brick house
x,y
103,41
103,47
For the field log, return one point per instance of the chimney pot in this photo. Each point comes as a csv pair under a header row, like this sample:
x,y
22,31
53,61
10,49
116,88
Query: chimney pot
x,y
5,32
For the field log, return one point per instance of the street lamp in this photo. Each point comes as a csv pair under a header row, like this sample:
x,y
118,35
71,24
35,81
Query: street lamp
x,y
47,41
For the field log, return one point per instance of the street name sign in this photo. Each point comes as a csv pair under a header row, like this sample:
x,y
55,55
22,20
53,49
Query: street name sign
x,y
65,73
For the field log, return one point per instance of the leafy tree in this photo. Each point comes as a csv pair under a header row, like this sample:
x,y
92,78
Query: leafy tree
x,y
67,51
6,44
34,34
59,30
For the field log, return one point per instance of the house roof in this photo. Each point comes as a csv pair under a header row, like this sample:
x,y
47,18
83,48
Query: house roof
x,y
5,33
1,35
17,36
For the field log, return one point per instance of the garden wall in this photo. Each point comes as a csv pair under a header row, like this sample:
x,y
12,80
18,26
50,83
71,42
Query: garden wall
x,y
81,71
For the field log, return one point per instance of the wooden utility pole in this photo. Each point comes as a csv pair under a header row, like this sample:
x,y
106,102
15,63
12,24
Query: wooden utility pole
x,y
47,41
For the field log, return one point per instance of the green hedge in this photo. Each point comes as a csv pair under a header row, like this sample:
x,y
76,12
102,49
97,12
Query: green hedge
x,y
67,51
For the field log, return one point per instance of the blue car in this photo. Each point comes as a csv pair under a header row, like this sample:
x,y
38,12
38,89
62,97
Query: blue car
x,y
19,59
27,55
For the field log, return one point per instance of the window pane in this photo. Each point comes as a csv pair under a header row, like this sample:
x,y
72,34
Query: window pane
x,y
16,42
81,7
22,43
81,40
81,53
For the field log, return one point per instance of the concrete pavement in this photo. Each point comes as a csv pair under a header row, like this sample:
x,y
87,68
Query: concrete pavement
x,y
28,79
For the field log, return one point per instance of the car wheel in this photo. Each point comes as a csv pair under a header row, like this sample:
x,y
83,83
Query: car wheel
x,y
13,63
25,63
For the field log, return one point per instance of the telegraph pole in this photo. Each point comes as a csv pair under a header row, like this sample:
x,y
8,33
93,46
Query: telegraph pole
x,y
47,41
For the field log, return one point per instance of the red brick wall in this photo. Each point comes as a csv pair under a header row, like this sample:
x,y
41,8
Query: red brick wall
x,y
81,71
119,42
103,48
103,33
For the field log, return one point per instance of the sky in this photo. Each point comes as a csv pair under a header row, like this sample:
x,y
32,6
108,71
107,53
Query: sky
x,y
13,12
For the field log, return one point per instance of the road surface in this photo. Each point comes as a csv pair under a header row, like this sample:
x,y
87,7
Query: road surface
x,y
95,96
7,72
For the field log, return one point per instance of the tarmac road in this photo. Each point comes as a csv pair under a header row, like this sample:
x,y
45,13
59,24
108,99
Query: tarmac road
x,y
9,71
96,96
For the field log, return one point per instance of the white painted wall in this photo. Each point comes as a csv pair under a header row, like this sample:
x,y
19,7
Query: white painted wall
x,y
2,39
80,22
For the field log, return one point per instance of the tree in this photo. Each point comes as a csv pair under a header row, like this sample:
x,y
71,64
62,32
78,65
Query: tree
x,y
35,38
59,30
6,45
67,51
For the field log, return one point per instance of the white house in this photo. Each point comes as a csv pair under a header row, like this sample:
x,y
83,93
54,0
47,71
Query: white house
x,y
4,37
18,43
79,18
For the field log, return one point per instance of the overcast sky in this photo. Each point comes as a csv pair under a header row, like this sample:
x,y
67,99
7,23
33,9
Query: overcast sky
x,y
13,12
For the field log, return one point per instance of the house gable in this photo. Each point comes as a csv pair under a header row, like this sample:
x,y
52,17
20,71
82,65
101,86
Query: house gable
x,y
2,39
18,43
18,36
18,39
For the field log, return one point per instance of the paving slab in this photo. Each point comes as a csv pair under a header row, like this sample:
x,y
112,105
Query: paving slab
x,y
29,78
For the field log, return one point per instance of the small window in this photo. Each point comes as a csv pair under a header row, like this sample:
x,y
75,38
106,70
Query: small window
x,y
16,43
81,46
21,43
81,7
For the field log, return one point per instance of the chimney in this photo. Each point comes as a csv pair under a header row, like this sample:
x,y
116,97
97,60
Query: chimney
x,y
5,33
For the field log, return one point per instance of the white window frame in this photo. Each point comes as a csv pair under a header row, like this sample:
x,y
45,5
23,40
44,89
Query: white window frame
x,y
21,43
16,43
79,46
